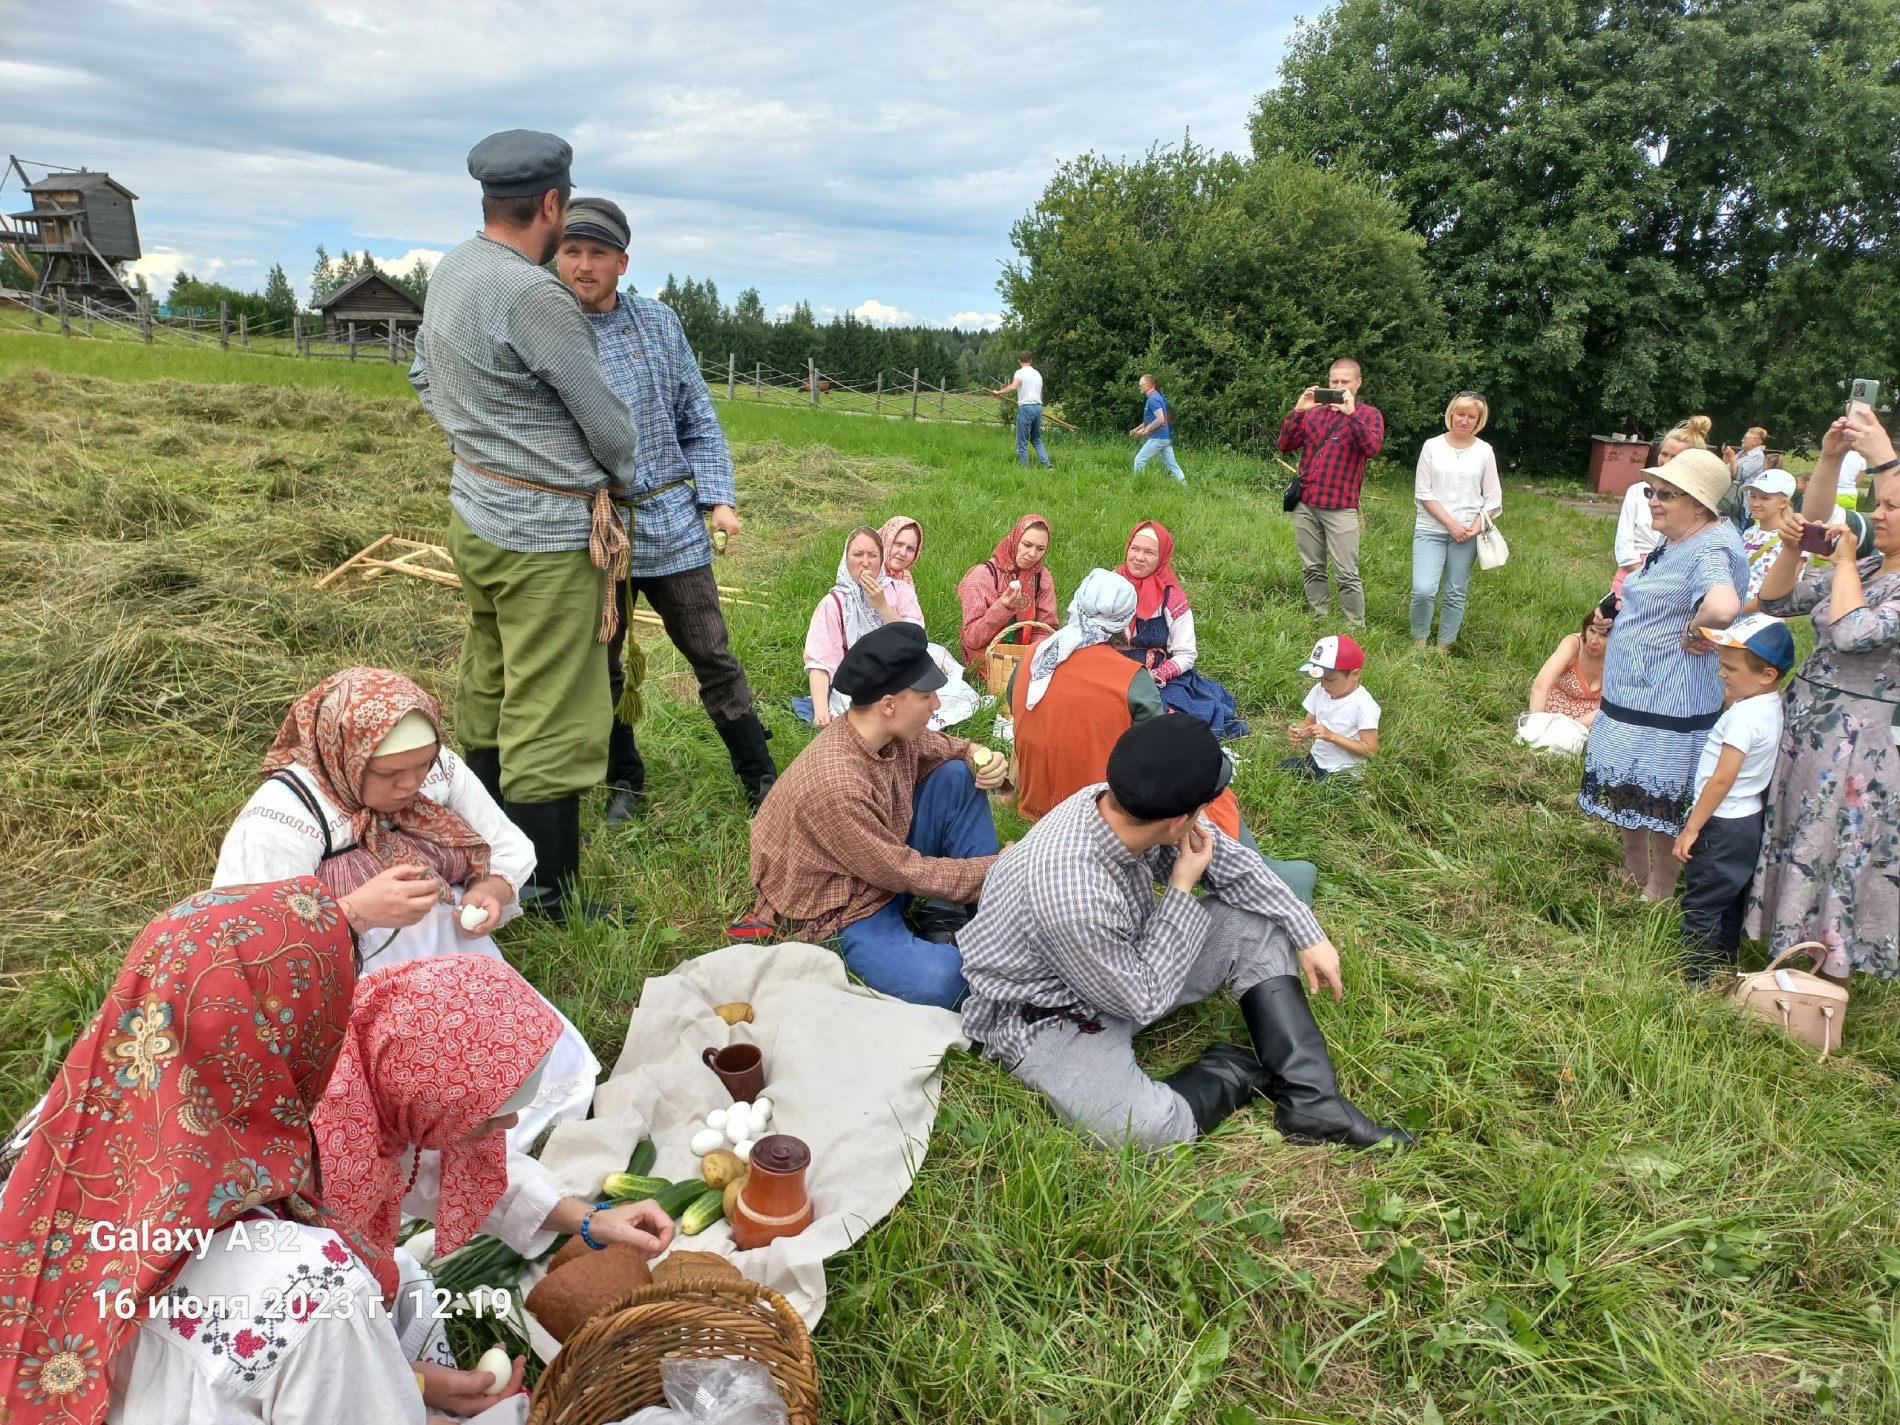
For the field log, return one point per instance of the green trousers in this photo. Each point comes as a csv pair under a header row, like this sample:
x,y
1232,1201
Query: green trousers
x,y
532,681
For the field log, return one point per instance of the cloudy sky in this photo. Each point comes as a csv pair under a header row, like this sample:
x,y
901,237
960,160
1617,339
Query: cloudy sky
x,y
865,157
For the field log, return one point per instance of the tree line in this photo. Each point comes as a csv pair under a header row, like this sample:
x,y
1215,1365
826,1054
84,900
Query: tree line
x,y
1604,216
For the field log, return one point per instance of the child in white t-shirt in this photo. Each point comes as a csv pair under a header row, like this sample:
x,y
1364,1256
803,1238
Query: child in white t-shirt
x,y
1721,841
1342,719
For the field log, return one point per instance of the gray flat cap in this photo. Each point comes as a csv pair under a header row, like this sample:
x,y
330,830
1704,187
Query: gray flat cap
x,y
520,163
599,221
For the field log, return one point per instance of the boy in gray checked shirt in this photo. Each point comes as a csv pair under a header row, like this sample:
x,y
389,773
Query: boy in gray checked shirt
x,y
1072,954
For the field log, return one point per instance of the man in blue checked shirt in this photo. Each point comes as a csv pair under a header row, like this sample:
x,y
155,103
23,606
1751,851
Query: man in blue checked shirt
x,y
684,472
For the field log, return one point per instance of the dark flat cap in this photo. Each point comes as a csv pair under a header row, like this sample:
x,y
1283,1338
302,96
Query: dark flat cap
x,y
888,660
599,221
520,163
1166,766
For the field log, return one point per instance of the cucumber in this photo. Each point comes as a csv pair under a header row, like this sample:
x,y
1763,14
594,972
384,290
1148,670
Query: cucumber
x,y
641,1163
677,1197
707,1209
631,1187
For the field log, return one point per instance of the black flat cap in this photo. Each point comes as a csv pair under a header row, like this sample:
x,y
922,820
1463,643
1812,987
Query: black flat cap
x,y
889,660
598,220
520,163
1166,766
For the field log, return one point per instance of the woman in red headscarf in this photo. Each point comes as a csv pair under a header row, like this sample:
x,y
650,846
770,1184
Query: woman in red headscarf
x,y
359,790
1011,586
1161,637
441,1055
170,1163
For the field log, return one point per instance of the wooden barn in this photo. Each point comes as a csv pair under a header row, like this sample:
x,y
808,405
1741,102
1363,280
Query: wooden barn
x,y
77,233
377,306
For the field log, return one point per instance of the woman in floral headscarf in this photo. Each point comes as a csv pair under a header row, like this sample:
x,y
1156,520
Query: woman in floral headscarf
x,y
862,597
1012,586
359,790
1161,638
172,1161
903,541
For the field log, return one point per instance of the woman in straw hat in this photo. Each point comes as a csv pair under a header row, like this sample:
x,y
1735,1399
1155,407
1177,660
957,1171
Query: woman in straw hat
x,y
1661,690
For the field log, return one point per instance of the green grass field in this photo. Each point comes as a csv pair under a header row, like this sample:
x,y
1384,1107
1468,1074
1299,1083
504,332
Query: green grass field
x,y
1626,1205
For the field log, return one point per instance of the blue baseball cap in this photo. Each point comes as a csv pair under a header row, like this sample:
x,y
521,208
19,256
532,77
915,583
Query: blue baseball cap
x,y
1765,637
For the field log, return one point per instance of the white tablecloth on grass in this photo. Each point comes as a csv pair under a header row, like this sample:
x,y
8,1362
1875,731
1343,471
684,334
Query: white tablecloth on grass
x,y
853,1073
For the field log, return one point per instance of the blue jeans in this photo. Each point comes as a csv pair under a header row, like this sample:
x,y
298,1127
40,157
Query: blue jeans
x,y
1164,447
1438,559
1028,433
949,817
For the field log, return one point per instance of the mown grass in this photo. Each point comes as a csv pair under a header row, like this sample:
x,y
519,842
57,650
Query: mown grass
x,y
1627,1206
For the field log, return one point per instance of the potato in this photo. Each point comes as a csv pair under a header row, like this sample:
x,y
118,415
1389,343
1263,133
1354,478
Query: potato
x,y
981,756
719,1167
732,1195
735,1013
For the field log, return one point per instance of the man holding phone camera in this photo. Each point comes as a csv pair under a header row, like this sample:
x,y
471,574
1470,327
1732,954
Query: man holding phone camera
x,y
1336,434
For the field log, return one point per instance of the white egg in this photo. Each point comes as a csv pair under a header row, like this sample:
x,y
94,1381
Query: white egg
x,y
499,1364
716,1119
743,1150
472,916
740,1109
706,1140
763,1105
759,1125
738,1126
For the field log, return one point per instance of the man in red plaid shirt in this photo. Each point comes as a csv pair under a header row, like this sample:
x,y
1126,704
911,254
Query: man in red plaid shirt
x,y
1335,441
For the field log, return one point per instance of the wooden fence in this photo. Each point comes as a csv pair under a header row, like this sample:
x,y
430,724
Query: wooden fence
x,y
892,394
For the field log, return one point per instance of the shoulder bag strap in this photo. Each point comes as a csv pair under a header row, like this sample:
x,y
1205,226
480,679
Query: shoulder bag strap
x,y
302,793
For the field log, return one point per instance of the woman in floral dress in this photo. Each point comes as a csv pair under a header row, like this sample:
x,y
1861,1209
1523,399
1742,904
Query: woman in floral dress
x,y
1830,867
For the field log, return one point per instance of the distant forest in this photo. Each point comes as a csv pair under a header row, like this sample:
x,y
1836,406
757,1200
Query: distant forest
x,y
845,348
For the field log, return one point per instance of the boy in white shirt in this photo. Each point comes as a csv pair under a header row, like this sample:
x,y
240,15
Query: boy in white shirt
x,y
1721,841
1342,719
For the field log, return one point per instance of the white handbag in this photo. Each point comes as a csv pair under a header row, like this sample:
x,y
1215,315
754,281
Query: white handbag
x,y
1492,550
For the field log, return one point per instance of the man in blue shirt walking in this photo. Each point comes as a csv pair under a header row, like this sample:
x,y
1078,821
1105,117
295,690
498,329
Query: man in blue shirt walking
x,y
684,472
1157,426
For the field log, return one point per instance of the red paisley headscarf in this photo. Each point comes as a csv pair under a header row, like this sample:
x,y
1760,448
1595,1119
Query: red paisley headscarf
x,y
436,1046
185,1103
892,527
1005,556
1161,587
332,731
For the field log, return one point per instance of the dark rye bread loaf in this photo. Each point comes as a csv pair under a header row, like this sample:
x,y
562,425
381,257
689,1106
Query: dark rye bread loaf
x,y
579,1289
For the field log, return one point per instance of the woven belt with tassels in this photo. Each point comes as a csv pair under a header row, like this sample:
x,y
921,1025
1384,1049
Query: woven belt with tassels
x,y
607,543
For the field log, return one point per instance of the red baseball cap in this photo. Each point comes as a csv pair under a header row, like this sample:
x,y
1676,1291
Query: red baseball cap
x,y
1335,653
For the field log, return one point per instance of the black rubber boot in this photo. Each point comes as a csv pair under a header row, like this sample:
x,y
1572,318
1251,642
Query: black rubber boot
x,y
745,739
555,829
485,763
1223,1079
1299,1071
938,921
626,774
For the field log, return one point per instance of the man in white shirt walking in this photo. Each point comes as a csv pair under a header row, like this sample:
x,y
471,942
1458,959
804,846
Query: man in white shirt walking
x,y
1027,385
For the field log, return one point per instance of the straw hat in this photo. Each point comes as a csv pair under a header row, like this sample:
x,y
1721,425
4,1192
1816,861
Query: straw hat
x,y
1697,473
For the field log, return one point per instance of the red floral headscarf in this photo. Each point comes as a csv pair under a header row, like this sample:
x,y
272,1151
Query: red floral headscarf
x,y
1005,556
185,1103
333,730
1161,587
892,528
436,1046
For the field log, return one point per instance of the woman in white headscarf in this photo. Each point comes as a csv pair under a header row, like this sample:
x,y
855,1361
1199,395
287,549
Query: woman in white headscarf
x,y
862,597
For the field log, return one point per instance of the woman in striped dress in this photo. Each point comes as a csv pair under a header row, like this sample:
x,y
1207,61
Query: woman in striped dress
x,y
1661,690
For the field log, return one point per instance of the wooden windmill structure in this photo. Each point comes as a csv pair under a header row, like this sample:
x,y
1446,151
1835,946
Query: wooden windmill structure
x,y
77,233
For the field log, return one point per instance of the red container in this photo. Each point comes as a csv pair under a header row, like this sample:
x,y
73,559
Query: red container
x,y
1615,465
773,1202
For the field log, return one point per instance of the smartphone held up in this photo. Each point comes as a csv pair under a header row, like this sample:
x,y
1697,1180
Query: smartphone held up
x,y
1331,396
1816,540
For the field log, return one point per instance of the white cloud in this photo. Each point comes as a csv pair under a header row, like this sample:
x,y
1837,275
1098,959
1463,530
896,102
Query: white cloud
x,y
782,150
158,267
883,314
981,321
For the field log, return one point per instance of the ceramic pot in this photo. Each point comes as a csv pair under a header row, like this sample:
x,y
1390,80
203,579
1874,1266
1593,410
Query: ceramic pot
x,y
773,1202
741,1068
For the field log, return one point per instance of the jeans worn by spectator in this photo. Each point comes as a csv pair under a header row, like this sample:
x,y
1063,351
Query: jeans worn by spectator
x,y
1162,446
1028,433
1440,562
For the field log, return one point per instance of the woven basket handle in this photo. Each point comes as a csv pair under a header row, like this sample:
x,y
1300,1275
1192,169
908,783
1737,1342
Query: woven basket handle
x,y
1005,633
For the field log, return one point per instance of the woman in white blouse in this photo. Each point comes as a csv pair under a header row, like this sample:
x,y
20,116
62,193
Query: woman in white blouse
x,y
1456,487
359,791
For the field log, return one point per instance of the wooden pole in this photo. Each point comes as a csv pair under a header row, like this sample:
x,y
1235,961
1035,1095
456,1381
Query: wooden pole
x,y
145,317
224,326
879,407
244,329
758,381
65,315
352,341
942,386
811,375
191,322
85,314
915,373
732,371
393,339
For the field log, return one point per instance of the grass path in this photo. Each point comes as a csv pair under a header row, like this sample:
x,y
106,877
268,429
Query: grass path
x,y
1627,1206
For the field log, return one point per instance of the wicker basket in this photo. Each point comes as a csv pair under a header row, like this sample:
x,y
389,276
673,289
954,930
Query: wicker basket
x,y
1000,659
611,1366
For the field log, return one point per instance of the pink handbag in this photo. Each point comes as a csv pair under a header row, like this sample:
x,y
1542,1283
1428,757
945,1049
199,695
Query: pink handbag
x,y
1805,1005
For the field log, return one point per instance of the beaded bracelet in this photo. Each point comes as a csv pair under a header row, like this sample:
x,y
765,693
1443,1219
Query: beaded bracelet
x,y
586,1236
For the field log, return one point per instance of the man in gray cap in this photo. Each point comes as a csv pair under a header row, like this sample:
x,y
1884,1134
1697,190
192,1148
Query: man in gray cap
x,y
684,473
505,362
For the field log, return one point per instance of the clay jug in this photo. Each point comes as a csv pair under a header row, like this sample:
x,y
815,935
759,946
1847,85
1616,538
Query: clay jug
x,y
773,1202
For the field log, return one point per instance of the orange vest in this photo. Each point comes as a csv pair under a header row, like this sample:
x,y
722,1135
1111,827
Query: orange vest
x,y
1062,744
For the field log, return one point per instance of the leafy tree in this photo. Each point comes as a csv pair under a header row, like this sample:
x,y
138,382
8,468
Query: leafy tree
x,y
415,281
1633,209
280,300
1233,283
